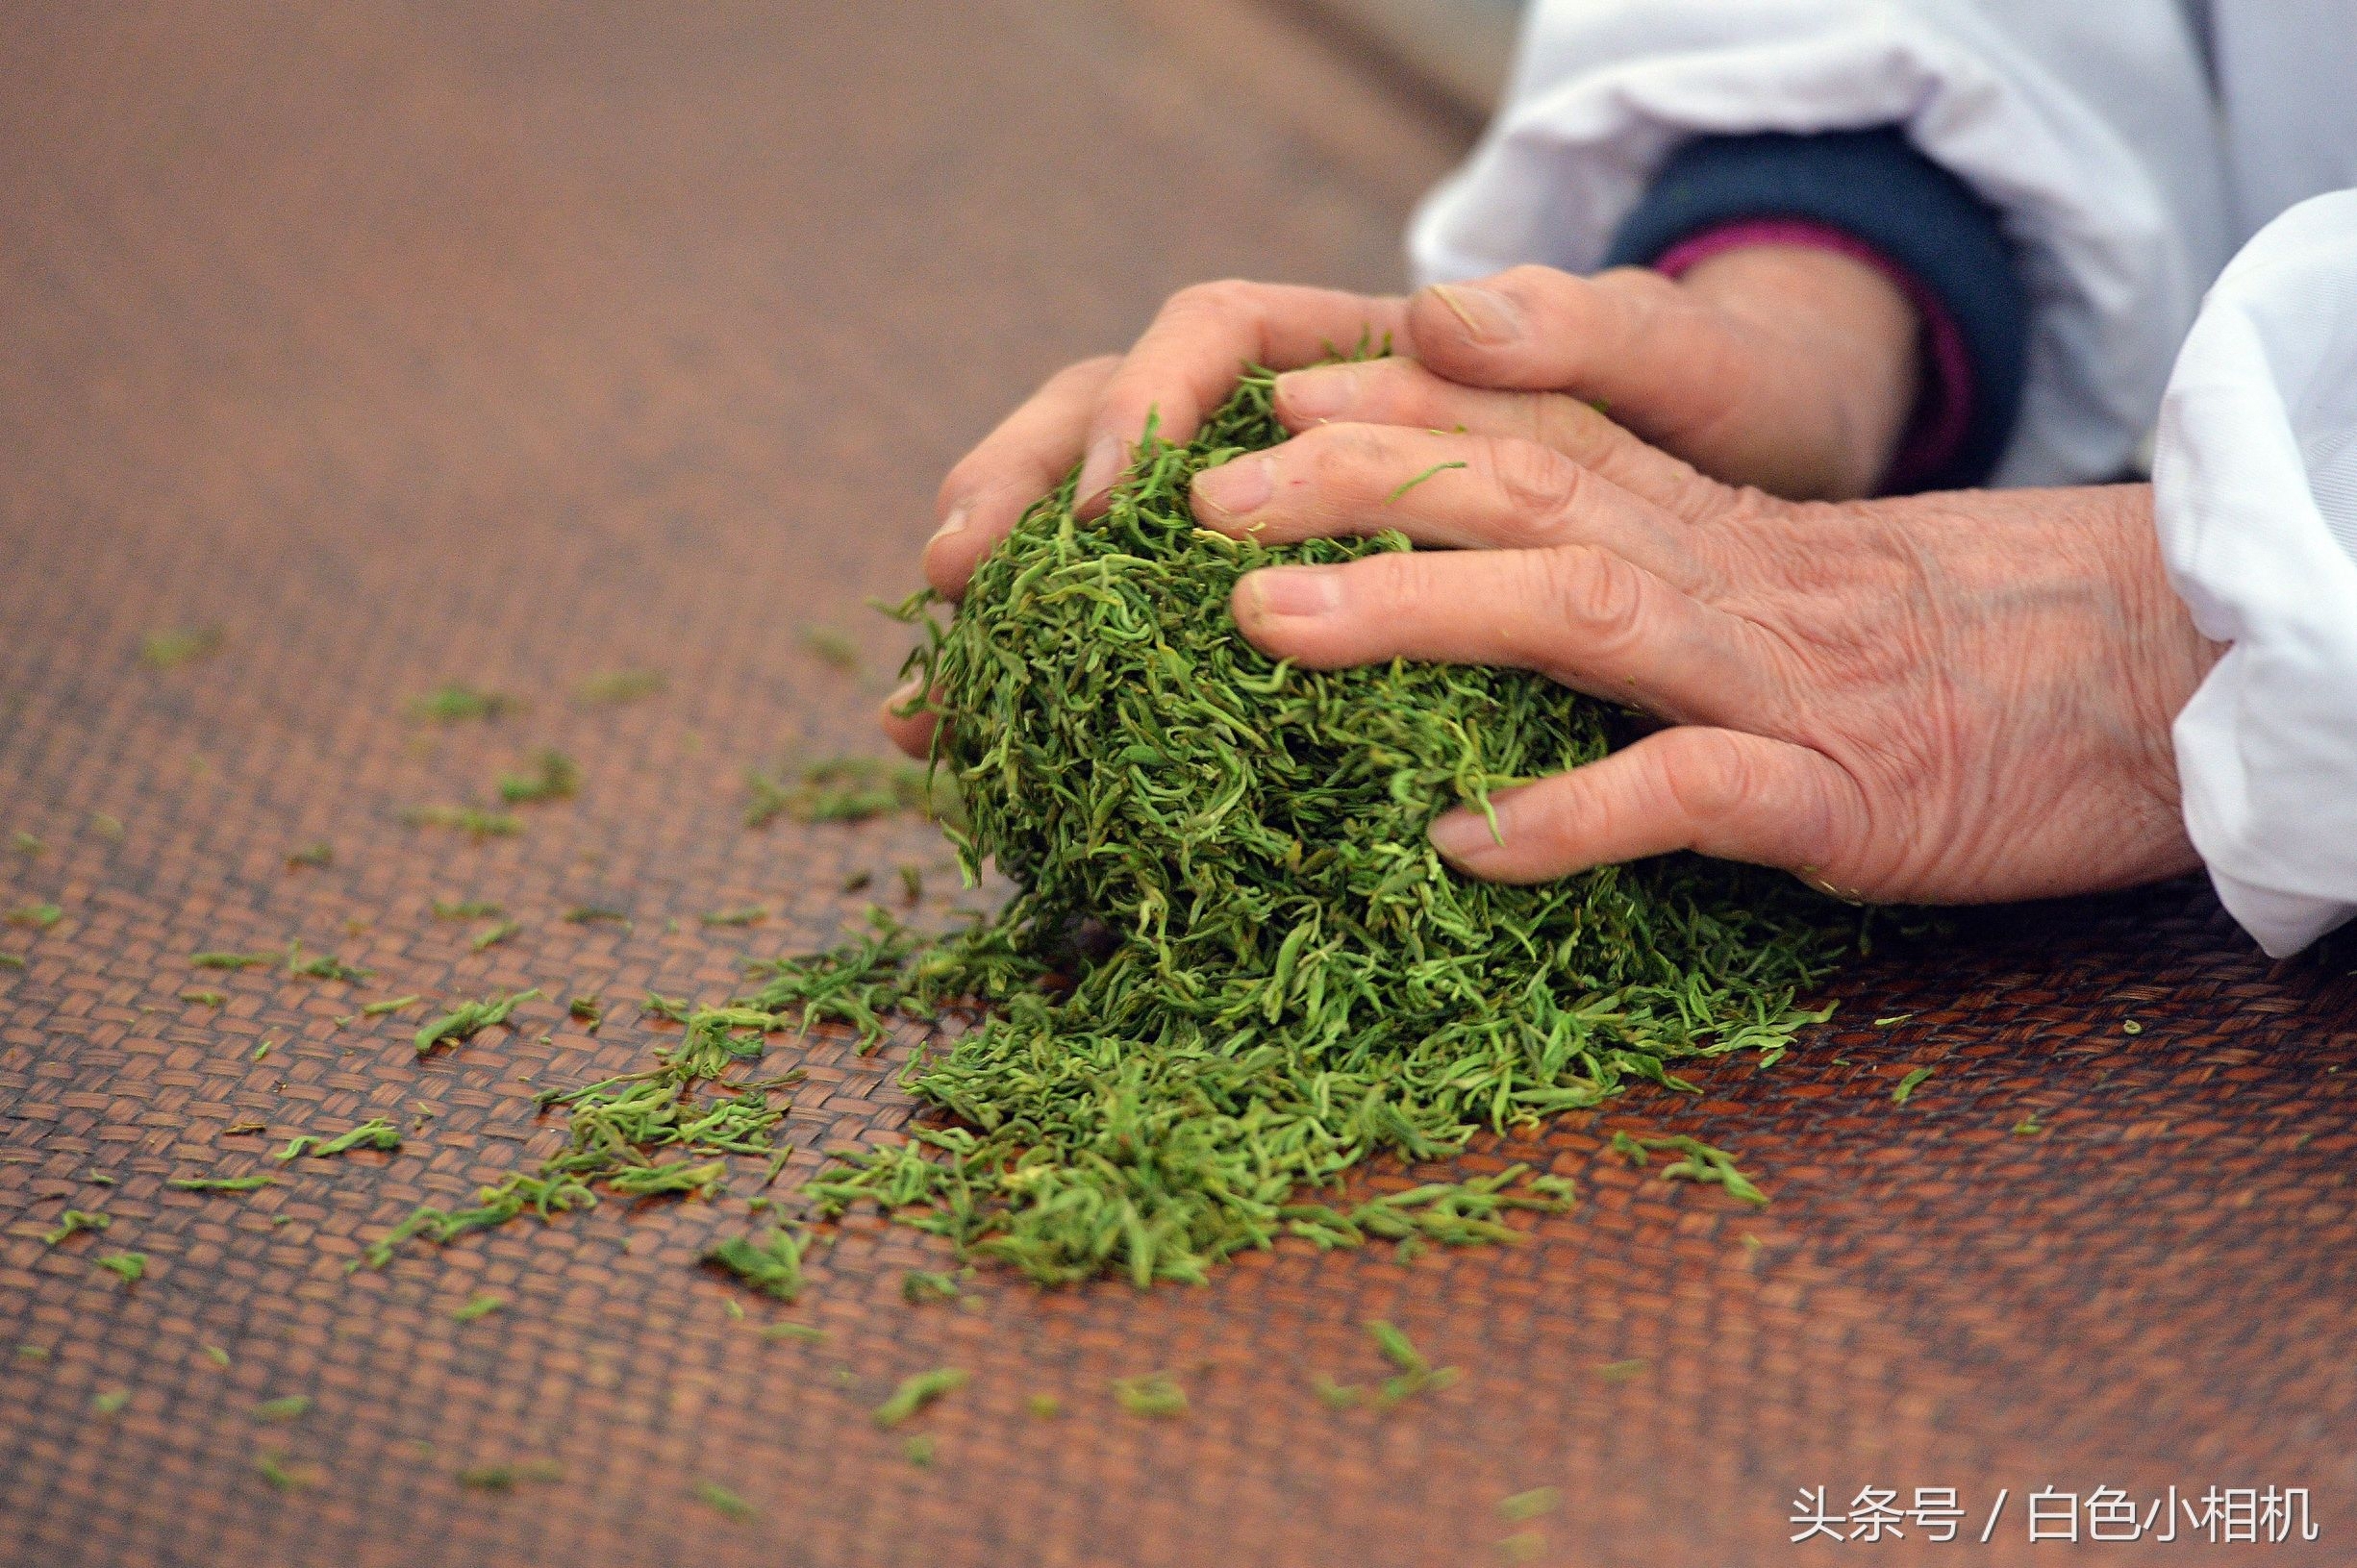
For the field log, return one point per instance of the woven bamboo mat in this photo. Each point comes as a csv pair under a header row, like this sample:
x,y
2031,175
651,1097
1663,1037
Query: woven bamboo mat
x,y
511,347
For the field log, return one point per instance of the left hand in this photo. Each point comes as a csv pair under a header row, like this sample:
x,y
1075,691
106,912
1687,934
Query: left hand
x,y
1942,699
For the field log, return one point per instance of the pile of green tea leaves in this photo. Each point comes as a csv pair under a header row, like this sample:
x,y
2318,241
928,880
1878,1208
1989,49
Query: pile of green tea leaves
x,y
1285,979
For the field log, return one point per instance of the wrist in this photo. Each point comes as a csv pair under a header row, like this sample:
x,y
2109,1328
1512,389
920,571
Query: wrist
x,y
1843,322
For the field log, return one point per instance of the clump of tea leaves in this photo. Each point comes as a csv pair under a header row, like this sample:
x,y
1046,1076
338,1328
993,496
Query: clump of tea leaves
x,y
1286,979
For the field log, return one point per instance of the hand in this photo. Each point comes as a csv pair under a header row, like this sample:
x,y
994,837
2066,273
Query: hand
x,y
1782,366
1946,699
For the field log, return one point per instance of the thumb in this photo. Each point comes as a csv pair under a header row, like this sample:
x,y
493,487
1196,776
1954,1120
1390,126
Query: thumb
x,y
909,717
1718,792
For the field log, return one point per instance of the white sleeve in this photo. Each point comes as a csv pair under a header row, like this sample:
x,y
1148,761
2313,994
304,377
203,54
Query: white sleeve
x,y
2089,128
2255,489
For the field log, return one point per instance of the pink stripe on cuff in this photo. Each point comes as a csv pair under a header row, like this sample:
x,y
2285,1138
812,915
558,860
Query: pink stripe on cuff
x,y
1943,409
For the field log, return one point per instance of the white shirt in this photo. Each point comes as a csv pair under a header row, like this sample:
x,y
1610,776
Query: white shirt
x,y
2131,148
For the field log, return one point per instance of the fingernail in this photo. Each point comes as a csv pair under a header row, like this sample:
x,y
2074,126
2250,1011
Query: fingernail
x,y
1465,835
1326,392
1237,487
1104,465
1488,317
902,695
954,523
1300,591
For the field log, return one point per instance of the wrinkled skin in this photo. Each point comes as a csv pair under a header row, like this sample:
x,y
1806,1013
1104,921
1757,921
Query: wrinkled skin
x,y
1944,699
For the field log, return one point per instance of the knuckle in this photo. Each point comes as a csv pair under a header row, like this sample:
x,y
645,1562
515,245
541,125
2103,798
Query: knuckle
x,y
1636,303
1639,283
1537,483
1393,391
1221,297
965,482
1530,281
1081,372
1392,590
1600,597
1707,775
1340,461
1641,295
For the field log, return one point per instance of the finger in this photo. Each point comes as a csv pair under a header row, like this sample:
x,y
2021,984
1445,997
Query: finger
x,y
1400,391
907,727
1666,363
1185,364
1025,457
1719,792
1463,491
1582,615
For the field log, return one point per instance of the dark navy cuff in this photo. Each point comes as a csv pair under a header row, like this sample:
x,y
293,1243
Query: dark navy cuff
x,y
1875,187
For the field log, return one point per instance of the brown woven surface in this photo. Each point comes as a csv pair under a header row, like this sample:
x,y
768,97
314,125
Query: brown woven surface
x,y
511,351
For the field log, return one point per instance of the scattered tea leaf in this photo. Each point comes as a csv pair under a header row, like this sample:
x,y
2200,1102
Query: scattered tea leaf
x,y
1416,1375
376,1133
272,1467
1154,1394
325,966
918,1390
1437,468
73,1222
236,960
131,1267
619,686
470,1017
1702,1163
172,647
831,648
771,1261
845,789
923,1285
501,1478
454,703
469,819
554,776
792,1330
720,1498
